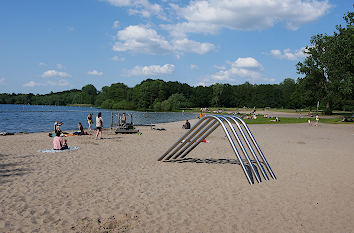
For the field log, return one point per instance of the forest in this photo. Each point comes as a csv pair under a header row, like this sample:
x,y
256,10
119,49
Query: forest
x,y
327,78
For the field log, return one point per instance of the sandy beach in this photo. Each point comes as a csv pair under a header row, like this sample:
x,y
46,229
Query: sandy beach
x,y
117,185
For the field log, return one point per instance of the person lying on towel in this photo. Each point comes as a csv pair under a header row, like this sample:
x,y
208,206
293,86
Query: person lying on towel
x,y
59,143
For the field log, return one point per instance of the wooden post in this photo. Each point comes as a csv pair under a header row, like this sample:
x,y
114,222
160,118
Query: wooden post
x,y
111,119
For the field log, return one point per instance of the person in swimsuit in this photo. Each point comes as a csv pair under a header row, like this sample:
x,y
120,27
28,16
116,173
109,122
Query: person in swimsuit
x,y
89,120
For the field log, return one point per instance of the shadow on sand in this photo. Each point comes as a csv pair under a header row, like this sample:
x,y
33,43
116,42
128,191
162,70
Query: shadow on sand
x,y
9,170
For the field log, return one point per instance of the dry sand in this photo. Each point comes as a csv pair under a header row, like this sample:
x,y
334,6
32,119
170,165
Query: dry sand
x,y
116,184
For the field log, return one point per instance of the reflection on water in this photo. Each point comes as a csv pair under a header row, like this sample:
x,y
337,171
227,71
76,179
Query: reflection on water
x,y
41,118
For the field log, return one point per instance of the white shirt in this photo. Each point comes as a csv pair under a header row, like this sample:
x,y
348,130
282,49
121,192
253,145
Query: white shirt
x,y
99,121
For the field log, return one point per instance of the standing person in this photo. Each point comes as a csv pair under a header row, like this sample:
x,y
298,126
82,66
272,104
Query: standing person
x,y
89,120
57,127
317,120
124,119
99,125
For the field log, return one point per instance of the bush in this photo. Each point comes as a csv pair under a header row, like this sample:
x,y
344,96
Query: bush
x,y
107,104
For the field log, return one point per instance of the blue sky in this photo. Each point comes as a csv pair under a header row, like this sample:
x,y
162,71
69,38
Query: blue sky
x,y
48,45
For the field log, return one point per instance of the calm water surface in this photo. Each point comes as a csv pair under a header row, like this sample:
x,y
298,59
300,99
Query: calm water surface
x,y
41,118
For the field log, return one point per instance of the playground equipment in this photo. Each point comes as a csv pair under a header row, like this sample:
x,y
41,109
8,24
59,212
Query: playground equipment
x,y
208,124
123,127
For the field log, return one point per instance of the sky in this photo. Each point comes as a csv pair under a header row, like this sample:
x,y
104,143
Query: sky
x,y
57,45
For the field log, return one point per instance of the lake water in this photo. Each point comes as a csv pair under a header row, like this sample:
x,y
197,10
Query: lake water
x,y
41,118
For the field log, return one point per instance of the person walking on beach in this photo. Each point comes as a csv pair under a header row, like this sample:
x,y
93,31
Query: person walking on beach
x,y
317,120
89,120
99,125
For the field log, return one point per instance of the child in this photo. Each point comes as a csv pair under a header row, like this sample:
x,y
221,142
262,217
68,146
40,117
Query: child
x,y
310,122
317,120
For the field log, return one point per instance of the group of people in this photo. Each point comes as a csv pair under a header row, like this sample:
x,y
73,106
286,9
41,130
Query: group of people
x,y
60,144
317,119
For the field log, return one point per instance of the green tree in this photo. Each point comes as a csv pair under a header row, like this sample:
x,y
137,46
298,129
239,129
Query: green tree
x,y
328,70
88,94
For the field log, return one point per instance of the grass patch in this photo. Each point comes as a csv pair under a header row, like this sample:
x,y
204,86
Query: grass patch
x,y
291,120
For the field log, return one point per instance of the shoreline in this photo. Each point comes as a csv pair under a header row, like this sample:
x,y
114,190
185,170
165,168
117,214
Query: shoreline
x,y
278,114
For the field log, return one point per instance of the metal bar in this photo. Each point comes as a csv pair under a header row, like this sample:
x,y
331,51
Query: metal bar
x,y
112,120
211,123
250,147
188,139
180,139
242,148
234,148
232,145
200,140
258,148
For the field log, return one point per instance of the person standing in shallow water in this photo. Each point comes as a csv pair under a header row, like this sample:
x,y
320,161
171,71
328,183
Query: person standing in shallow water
x,y
99,125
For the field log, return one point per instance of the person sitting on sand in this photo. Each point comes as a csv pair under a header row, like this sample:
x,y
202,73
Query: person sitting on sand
x,y
187,125
59,143
347,119
276,119
81,130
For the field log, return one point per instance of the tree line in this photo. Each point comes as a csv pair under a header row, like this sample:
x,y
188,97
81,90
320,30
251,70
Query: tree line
x,y
158,95
328,79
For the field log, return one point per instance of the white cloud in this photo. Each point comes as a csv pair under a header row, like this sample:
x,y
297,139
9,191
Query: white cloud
x,y
116,58
61,82
60,66
140,7
247,63
31,84
141,39
115,24
186,45
120,3
2,81
154,70
241,70
220,67
95,72
194,67
42,64
288,54
181,29
55,73
144,39
251,15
